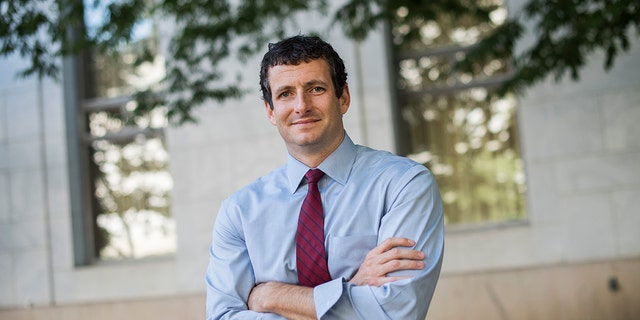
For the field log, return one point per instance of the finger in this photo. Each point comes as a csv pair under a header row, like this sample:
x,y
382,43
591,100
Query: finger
x,y
400,254
401,265
385,264
390,243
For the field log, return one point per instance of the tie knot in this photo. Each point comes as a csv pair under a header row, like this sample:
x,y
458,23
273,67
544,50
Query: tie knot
x,y
314,175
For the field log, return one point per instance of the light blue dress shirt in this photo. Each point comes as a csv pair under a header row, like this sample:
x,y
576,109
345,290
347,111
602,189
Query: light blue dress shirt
x,y
367,196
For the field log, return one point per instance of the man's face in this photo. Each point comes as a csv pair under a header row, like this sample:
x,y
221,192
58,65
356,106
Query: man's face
x,y
305,107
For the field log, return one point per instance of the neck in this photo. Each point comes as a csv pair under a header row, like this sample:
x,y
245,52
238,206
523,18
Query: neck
x,y
311,157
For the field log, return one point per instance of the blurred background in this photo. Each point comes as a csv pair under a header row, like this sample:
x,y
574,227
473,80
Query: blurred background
x,y
112,172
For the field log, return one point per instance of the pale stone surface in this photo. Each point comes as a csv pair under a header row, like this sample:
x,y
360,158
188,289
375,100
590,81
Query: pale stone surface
x,y
24,234
621,113
561,128
24,154
57,192
582,230
61,241
485,249
21,110
153,277
55,151
27,199
4,156
53,110
560,291
5,198
598,173
32,277
626,221
7,283
580,148
541,187
3,122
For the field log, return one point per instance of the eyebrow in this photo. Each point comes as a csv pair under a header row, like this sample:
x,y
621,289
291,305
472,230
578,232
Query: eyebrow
x,y
311,83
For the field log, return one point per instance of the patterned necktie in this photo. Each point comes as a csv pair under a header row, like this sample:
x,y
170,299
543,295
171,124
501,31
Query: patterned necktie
x,y
311,258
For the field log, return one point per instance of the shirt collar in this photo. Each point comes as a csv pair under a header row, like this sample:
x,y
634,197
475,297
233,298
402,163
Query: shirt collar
x,y
337,166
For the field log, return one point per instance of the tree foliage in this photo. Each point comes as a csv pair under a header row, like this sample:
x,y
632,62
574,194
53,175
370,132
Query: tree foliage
x,y
209,32
566,34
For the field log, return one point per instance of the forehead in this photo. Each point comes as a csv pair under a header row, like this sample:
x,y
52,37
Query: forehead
x,y
289,75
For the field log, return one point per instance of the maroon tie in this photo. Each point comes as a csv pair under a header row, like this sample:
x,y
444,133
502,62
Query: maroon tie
x,y
311,258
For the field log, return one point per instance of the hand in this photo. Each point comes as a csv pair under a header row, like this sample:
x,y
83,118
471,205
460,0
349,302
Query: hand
x,y
387,257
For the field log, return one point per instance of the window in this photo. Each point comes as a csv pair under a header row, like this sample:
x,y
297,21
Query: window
x,y
449,121
122,209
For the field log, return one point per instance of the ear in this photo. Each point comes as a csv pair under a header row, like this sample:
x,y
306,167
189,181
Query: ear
x,y
270,114
345,99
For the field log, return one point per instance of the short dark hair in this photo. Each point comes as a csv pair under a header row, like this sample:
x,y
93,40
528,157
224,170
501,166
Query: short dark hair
x,y
296,50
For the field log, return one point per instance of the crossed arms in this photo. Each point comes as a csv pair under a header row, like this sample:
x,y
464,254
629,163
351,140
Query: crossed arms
x,y
296,302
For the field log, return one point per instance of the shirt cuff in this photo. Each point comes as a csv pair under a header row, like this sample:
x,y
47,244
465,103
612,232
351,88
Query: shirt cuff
x,y
326,295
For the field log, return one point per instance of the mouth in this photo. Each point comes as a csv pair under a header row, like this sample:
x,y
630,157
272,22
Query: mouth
x,y
304,122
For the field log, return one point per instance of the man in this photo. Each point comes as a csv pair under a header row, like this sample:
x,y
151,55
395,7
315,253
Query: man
x,y
379,216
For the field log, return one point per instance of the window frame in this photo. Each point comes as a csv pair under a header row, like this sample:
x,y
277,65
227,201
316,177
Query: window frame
x,y
400,98
83,203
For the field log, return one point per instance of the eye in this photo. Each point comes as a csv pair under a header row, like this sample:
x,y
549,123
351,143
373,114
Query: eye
x,y
318,90
284,94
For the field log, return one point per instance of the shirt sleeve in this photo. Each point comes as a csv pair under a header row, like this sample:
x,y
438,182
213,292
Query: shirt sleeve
x,y
229,277
416,213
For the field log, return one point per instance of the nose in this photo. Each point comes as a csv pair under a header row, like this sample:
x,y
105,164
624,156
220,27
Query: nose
x,y
303,103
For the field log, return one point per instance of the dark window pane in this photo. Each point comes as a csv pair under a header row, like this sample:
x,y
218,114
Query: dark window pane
x,y
451,123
